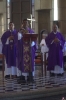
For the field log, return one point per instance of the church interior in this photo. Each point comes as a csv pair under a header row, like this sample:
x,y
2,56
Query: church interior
x,y
41,15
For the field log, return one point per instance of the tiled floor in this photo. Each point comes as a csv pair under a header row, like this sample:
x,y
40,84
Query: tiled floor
x,y
10,85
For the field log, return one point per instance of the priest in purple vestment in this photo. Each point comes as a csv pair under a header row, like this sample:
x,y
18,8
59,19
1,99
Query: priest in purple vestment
x,y
9,49
24,52
55,42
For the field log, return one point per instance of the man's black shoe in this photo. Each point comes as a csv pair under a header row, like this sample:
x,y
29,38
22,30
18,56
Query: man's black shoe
x,y
30,80
60,75
52,74
7,76
21,79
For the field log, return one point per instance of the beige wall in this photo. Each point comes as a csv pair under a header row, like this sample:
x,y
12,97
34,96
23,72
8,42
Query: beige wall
x,y
43,21
2,16
42,5
44,11
62,16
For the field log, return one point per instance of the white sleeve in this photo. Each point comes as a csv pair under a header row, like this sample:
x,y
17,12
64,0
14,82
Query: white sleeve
x,y
19,36
7,42
52,42
33,43
64,51
42,42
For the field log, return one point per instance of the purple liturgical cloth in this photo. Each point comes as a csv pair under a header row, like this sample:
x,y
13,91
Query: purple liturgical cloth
x,y
24,54
55,56
9,49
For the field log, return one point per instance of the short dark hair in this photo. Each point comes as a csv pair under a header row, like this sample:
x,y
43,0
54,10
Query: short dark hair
x,y
10,22
25,20
42,31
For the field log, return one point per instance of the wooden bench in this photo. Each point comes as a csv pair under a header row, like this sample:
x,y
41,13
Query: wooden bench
x,y
45,62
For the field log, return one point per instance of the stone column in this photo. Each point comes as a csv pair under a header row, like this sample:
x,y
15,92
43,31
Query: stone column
x,y
2,16
62,16
43,15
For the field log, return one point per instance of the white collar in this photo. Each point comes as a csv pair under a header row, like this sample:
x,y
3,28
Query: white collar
x,y
55,32
11,30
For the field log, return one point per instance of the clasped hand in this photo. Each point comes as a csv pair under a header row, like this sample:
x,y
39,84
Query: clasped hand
x,y
56,40
24,31
42,44
11,37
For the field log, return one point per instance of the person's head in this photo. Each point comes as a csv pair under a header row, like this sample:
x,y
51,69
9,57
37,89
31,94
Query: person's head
x,y
11,26
55,28
25,23
44,34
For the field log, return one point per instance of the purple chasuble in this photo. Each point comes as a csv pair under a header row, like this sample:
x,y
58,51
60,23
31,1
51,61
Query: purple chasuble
x,y
55,55
24,55
9,50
